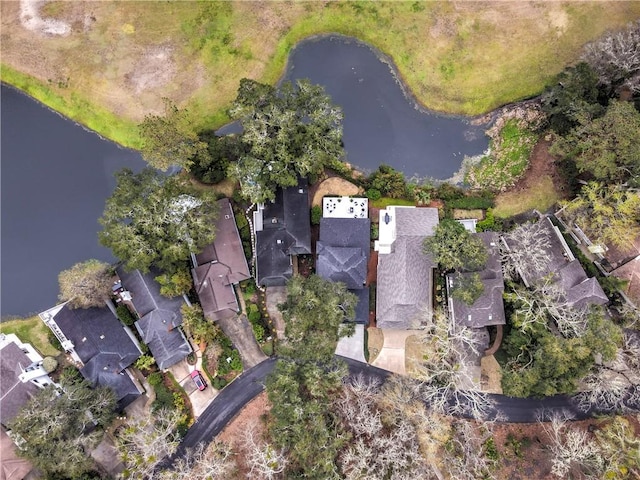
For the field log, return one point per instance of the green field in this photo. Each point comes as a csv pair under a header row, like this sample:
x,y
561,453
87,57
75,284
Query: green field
x,y
31,330
121,58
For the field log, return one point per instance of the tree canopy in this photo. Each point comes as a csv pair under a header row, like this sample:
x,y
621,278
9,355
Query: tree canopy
x,y
606,147
575,93
314,312
86,284
53,426
151,219
453,247
293,132
171,139
610,215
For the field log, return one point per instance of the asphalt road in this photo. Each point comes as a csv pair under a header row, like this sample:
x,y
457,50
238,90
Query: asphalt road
x,y
248,385
227,404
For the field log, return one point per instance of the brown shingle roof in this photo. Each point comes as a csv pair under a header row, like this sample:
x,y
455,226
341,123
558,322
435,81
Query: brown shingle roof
x,y
220,265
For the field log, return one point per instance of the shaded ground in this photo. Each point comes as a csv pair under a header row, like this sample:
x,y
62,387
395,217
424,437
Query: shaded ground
x,y
541,186
333,186
239,331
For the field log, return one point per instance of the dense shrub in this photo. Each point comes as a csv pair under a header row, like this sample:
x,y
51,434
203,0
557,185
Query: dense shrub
x,y
155,379
253,313
125,315
373,194
234,364
164,398
448,192
388,181
49,364
316,214
218,383
258,331
53,340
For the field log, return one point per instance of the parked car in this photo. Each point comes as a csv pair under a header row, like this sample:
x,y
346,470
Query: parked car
x,y
198,379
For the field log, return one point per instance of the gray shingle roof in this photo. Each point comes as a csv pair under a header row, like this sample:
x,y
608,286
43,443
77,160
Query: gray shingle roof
x,y
158,325
102,344
343,256
287,220
579,290
13,393
404,285
403,298
488,309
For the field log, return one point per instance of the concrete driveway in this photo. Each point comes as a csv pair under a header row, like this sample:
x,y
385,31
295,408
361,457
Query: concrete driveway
x,y
392,354
274,297
353,346
239,331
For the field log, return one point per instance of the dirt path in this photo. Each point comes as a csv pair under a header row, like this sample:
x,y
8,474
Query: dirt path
x,y
542,163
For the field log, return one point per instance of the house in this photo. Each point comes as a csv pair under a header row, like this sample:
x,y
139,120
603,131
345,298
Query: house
x,y
21,375
220,266
343,256
282,231
563,270
100,344
488,309
405,273
159,317
620,262
13,467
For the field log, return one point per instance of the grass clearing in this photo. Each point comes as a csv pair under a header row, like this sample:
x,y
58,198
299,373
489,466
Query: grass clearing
x,y
384,202
508,159
541,196
121,58
31,330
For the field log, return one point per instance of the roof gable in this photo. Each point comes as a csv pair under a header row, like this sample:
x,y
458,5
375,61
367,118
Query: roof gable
x,y
13,393
103,345
286,230
404,284
488,309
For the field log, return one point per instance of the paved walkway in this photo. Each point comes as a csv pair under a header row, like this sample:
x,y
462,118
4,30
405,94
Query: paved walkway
x,y
392,354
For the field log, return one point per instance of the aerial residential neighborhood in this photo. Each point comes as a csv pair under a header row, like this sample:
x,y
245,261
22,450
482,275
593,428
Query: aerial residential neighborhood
x,y
321,240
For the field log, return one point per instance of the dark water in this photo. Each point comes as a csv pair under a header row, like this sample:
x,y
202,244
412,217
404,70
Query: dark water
x,y
381,125
56,177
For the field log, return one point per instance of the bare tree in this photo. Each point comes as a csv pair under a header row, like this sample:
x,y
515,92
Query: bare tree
x,y
146,440
266,461
86,284
445,373
213,462
614,385
525,249
546,301
573,452
384,442
620,447
616,57
464,453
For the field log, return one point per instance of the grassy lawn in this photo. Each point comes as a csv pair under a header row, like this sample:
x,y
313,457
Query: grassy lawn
x,y
31,330
122,58
540,195
507,161
384,202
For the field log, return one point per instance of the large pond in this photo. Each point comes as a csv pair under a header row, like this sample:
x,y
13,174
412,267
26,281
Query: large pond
x,y
56,175
381,123
55,179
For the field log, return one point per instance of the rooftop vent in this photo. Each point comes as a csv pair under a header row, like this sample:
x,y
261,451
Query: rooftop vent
x,y
278,241
274,220
227,217
101,337
300,190
84,339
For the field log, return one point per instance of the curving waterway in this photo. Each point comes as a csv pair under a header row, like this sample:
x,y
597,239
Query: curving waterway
x,y
55,179
382,123
56,175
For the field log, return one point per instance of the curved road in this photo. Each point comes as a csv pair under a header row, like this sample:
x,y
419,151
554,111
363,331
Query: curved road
x,y
248,385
